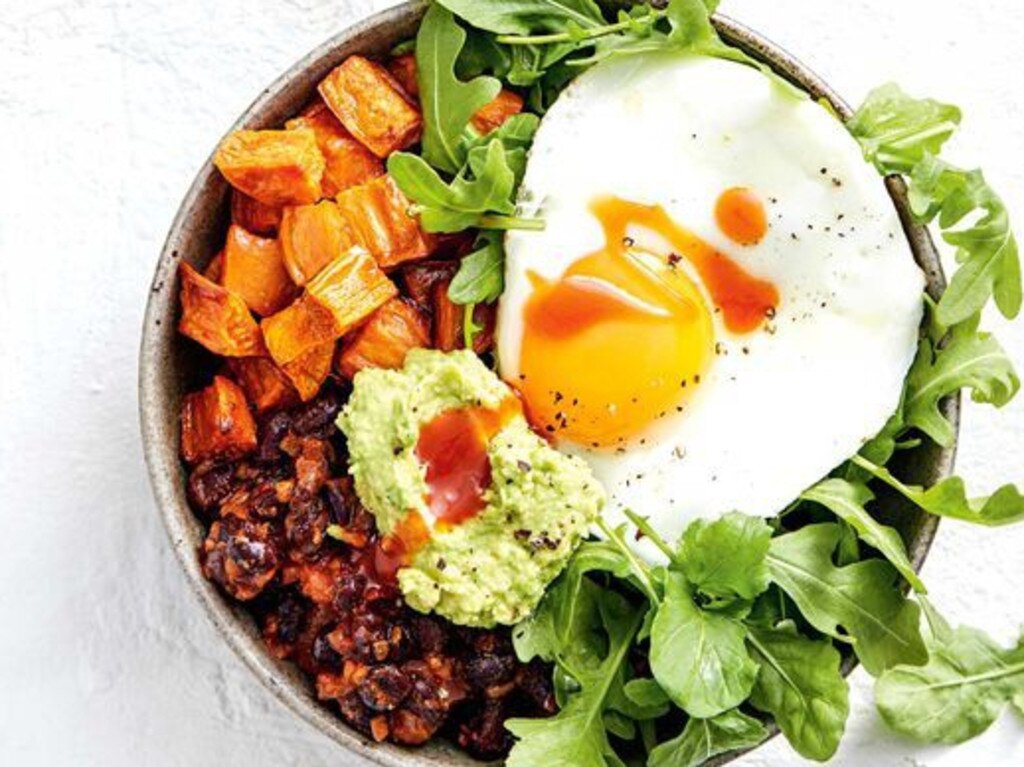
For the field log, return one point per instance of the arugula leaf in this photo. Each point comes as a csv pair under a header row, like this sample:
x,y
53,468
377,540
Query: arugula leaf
x,y
482,54
640,703
958,694
515,134
967,359
896,131
682,25
480,278
702,739
645,692
699,658
948,498
799,684
523,17
847,501
725,558
448,103
986,250
576,735
900,134
466,202
859,602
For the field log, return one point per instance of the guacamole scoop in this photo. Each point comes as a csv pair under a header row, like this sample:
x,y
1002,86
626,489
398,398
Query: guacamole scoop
x,y
484,512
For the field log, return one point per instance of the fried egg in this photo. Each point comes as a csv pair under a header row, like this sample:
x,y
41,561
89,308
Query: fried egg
x,y
722,306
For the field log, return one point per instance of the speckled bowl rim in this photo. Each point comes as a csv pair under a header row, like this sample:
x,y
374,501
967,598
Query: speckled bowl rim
x,y
159,397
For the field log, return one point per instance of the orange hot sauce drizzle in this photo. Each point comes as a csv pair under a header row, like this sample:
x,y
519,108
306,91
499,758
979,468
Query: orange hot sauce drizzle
x,y
742,298
741,217
453,448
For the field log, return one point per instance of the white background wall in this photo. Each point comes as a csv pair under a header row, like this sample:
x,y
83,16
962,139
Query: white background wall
x,y
107,108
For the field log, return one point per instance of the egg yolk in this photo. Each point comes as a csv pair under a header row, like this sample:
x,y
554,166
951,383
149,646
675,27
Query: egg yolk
x,y
624,335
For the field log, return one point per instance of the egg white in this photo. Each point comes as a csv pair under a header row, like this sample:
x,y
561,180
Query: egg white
x,y
780,407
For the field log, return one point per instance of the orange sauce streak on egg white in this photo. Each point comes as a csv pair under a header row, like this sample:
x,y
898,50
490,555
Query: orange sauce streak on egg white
x,y
740,215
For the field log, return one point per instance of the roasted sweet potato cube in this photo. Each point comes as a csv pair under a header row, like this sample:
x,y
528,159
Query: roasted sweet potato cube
x,y
254,269
403,69
419,279
378,213
345,293
492,115
310,369
372,106
265,384
311,237
253,216
295,330
352,287
215,269
277,167
384,339
216,423
349,163
216,317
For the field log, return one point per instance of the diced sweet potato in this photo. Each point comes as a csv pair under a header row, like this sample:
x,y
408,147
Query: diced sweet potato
x,y
216,423
492,115
449,322
419,279
372,106
216,317
295,330
265,384
384,339
310,369
312,236
352,287
215,269
254,269
403,69
345,292
253,216
277,167
349,163
378,213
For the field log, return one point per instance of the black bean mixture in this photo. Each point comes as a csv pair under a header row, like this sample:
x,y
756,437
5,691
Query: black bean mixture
x,y
327,602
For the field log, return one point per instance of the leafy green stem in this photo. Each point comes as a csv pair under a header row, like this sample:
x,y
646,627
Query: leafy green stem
x,y
640,571
579,35
649,532
882,473
510,222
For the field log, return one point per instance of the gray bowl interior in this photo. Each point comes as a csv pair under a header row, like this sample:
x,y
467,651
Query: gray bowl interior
x,y
170,365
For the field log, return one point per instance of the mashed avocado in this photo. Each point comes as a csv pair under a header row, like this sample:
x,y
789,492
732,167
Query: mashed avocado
x,y
491,568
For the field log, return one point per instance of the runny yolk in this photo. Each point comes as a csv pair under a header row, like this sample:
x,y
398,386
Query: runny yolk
x,y
623,336
741,217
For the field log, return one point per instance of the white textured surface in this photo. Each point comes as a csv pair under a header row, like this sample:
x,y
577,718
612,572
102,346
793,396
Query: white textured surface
x,y
107,108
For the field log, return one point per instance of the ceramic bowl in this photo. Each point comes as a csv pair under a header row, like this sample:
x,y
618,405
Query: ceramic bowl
x,y
169,365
